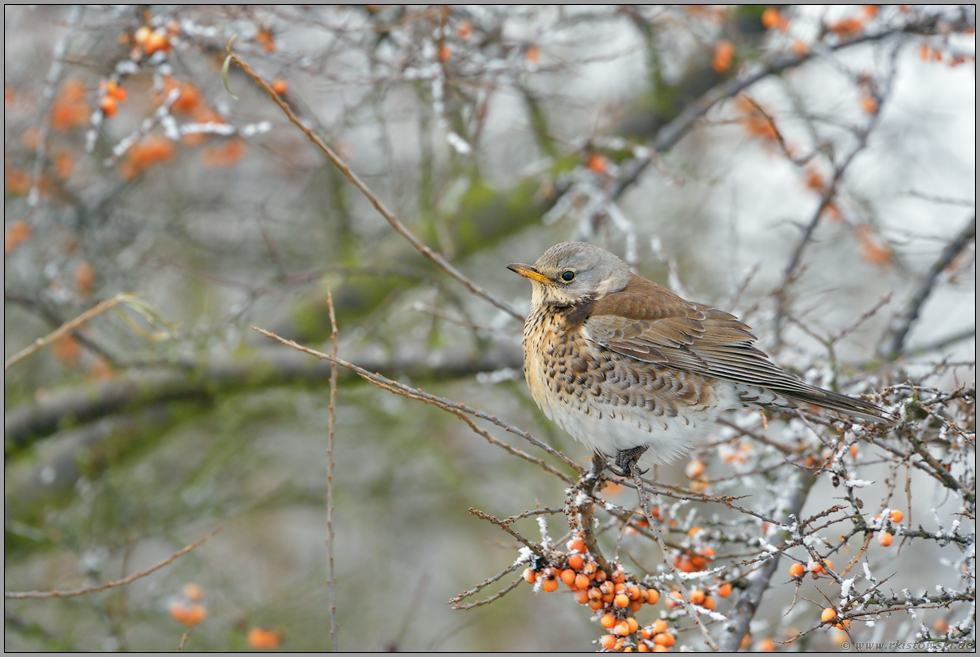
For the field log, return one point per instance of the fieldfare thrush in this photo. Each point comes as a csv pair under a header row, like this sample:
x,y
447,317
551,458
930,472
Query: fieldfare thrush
x,y
631,369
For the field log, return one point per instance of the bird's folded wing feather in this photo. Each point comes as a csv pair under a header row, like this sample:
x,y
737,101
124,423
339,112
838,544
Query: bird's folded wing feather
x,y
647,322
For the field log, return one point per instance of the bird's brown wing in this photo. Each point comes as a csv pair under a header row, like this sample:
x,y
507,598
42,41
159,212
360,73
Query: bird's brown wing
x,y
650,323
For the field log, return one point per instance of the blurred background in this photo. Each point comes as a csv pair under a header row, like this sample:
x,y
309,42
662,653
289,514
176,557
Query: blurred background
x,y
800,167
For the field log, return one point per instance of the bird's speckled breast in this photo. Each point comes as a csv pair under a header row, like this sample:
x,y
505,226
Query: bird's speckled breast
x,y
610,401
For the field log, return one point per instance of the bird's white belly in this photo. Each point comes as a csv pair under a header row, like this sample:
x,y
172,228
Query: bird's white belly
x,y
611,429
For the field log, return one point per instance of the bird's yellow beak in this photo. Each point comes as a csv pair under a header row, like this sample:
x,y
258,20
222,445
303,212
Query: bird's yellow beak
x,y
527,271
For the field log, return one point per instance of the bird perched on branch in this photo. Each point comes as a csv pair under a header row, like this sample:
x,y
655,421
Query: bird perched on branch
x,y
632,370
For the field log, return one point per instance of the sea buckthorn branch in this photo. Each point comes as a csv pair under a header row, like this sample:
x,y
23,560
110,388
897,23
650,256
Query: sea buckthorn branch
x,y
686,599
533,547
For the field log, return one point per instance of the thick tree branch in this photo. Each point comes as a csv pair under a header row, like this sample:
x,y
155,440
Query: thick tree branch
x,y
787,511
36,420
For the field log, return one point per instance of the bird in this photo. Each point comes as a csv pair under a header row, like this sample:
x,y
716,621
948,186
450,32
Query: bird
x,y
634,371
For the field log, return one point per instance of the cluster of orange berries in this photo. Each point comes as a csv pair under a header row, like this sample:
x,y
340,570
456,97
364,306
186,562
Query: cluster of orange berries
x,y
592,585
653,637
829,614
797,570
112,95
609,594
700,598
695,563
885,536
146,153
148,41
189,609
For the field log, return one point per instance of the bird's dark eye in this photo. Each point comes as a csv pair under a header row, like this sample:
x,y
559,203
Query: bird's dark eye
x,y
567,275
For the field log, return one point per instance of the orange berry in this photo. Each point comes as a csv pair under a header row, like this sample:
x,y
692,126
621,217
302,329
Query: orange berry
x,y
19,231
622,601
581,581
766,645
141,35
709,603
636,605
619,588
280,86
598,163
568,576
618,577
724,54
260,639
885,539
117,92
445,53
653,596
607,621
108,106
770,18
642,647
659,626
796,570
827,614
666,640
576,545
595,593
725,589
530,576
869,104
622,628
582,597
634,625
660,649
595,605
549,585
576,562
608,641
633,592
896,516
156,41
697,597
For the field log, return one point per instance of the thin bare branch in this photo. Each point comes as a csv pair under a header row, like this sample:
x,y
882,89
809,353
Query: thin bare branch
x,y
332,424
417,393
12,595
65,329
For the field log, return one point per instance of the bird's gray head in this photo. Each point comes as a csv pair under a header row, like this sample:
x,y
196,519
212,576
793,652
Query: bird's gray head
x,y
571,271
